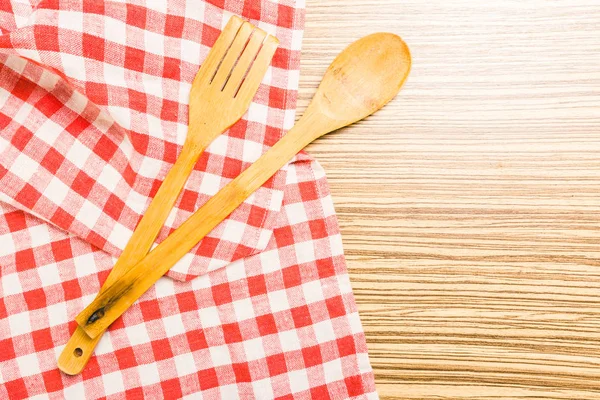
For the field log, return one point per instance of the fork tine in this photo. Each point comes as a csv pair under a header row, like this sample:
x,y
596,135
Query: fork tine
x,y
258,68
224,70
217,52
245,61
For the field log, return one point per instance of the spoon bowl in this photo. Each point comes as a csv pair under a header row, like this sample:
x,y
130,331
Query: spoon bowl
x,y
362,79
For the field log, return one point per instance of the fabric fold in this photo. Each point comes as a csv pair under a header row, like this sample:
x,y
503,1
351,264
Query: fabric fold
x,y
107,88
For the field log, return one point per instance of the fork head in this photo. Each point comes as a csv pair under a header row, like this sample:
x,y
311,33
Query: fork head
x,y
228,79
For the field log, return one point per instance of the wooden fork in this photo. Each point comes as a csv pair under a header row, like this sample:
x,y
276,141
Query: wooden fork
x,y
220,95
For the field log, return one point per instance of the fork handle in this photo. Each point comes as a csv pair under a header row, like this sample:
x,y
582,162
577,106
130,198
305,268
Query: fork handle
x,y
80,346
155,216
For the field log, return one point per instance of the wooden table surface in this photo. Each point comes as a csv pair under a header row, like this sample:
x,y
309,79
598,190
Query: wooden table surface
x,y
470,205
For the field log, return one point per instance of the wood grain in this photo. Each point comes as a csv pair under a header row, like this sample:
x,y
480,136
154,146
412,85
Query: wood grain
x,y
470,205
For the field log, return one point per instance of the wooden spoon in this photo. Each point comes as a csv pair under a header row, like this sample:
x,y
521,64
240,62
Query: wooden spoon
x,y
361,80
220,95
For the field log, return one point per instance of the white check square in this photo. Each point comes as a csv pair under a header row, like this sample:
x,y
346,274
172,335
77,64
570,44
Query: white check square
x,y
173,325
254,349
75,391
57,314
209,317
263,389
50,131
210,184
10,283
296,213
164,287
185,364
219,145
49,274
113,383
190,51
28,365
79,154
119,236
148,373
155,127
74,66
154,42
258,113
105,346
220,355
333,371
230,392
89,214
289,340
150,166
236,271
56,191
278,301
115,30
234,231
243,309
25,167
313,291
251,151
324,331
121,115
298,380
71,20
137,334
19,324
305,252
269,261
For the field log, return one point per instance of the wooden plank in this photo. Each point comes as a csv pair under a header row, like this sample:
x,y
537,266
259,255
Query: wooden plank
x,y
476,268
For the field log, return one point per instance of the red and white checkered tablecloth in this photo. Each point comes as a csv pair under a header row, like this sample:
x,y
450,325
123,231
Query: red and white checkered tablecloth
x,y
93,112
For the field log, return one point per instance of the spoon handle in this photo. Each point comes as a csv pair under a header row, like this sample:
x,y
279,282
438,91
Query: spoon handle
x,y
80,347
119,296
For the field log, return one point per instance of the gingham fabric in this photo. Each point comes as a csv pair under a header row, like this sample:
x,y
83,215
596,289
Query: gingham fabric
x,y
93,112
